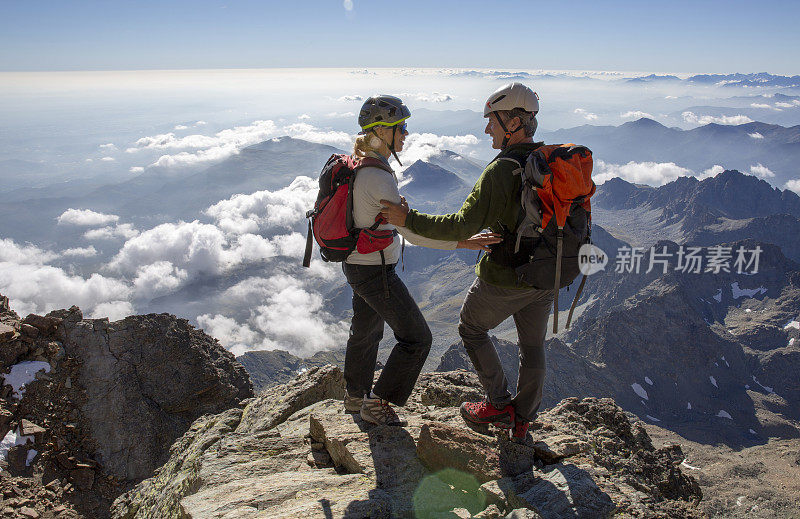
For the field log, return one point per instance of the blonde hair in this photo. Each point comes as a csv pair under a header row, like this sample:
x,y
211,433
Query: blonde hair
x,y
369,142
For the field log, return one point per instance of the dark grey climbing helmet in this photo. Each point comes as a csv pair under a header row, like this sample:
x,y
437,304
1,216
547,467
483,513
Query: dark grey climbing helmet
x,y
382,110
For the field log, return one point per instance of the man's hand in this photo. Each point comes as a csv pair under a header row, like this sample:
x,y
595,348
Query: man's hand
x,y
480,241
395,214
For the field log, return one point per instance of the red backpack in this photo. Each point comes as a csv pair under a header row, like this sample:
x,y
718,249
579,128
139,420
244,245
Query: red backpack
x,y
331,220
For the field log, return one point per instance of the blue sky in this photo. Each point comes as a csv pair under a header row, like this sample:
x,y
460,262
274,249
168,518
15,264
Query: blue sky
x,y
676,36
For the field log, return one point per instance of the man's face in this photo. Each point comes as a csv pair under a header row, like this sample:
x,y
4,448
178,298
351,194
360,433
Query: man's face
x,y
494,129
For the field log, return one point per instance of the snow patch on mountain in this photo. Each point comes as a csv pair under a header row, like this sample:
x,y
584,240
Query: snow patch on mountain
x,y
746,292
24,373
639,390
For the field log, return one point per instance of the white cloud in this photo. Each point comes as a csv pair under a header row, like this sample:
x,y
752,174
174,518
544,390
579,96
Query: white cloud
x,y
228,142
761,105
266,209
794,103
713,171
348,5
433,97
125,231
114,310
136,169
235,337
200,123
193,245
181,127
635,114
761,171
304,117
421,146
184,158
185,250
42,288
651,173
586,115
28,254
238,136
286,315
310,133
108,159
691,118
109,146
85,217
81,252
793,185
340,115
157,279
352,97
756,135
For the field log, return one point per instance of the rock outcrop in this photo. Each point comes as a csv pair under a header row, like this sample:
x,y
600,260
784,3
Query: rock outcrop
x,y
293,452
95,405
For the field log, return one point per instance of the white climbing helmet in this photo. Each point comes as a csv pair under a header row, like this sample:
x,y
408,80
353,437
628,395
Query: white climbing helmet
x,y
513,95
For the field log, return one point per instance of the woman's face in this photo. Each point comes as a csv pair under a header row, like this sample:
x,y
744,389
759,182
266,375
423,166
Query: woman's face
x,y
400,136
400,133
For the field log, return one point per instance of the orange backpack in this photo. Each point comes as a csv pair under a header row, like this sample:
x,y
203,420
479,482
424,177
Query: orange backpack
x,y
555,219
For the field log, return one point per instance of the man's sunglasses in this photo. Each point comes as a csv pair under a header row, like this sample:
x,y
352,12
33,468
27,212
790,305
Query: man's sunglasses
x,y
402,127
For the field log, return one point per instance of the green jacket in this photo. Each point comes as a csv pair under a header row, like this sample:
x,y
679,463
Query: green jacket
x,y
494,198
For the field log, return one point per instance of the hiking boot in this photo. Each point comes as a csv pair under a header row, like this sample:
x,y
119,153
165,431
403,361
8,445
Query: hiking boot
x,y
480,413
352,404
520,430
379,412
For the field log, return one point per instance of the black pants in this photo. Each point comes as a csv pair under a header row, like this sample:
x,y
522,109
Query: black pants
x,y
371,309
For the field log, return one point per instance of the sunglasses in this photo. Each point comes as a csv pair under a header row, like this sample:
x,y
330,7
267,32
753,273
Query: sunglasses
x,y
402,127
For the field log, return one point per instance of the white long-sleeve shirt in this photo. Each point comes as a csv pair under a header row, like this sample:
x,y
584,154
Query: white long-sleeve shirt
x,y
370,187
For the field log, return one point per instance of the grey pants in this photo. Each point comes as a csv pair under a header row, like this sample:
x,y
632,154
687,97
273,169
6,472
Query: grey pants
x,y
484,308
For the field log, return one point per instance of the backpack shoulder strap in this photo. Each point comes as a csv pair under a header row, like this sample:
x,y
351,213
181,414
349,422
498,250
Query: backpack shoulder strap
x,y
517,157
372,162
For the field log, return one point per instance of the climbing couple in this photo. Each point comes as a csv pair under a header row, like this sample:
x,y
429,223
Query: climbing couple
x,y
380,296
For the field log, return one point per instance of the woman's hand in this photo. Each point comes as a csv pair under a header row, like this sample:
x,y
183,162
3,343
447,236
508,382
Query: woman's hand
x,y
480,241
395,214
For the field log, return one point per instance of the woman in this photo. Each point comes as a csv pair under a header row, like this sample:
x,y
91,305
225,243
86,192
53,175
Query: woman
x,y
379,296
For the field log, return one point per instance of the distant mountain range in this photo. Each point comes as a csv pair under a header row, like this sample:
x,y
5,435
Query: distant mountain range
x,y
760,79
730,146
728,207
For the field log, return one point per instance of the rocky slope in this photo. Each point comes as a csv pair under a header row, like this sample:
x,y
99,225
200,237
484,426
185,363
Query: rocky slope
x,y
757,482
270,368
719,369
91,407
293,452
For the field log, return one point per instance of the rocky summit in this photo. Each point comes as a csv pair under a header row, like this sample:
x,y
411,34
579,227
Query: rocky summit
x,y
90,407
293,452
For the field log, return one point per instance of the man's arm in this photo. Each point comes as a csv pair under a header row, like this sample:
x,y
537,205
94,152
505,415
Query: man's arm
x,y
382,186
482,207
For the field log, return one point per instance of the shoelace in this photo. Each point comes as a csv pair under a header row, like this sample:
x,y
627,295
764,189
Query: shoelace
x,y
387,411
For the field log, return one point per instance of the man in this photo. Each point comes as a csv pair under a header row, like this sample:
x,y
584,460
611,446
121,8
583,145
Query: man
x,y
496,294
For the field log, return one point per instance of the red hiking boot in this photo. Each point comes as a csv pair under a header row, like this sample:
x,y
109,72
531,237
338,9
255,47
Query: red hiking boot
x,y
481,413
520,430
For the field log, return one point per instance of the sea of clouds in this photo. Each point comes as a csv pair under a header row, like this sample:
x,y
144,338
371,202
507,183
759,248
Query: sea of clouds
x,y
248,247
